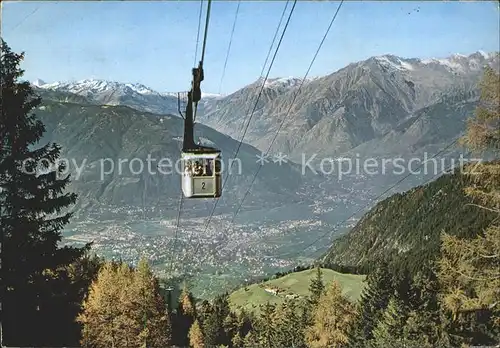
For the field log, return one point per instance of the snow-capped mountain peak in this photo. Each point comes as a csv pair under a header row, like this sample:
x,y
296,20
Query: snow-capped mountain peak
x,y
39,82
284,81
279,82
211,95
484,54
143,98
135,95
456,63
458,60
393,62
139,88
92,85
105,92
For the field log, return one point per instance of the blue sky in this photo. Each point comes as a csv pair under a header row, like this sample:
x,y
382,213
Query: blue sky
x,y
153,43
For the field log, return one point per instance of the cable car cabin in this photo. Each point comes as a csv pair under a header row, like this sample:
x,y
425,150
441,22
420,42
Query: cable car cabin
x,y
201,173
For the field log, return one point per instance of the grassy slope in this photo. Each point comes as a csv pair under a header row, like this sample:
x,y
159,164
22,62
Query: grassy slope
x,y
294,283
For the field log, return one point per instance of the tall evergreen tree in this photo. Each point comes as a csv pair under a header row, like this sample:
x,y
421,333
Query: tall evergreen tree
x,y
73,283
103,308
244,326
316,287
211,329
279,323
125,309
203,310
196,337
469,269
288,325
483,129
469,274
332,319
426,324
374,299
265,326
184,318
151,307
231,328
222,311
33,211
389,328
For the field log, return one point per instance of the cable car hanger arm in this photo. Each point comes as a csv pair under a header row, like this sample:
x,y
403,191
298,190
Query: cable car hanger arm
x,y
198,76
179,104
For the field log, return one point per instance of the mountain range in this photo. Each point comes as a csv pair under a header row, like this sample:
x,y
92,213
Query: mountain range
x,y
134,95
380,106
384,105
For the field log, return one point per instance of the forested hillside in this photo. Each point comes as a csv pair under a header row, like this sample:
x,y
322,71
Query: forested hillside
x,y
408,225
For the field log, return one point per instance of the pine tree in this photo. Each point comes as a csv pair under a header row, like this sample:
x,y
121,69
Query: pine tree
x,y
101,309
265,328
425,325
211,328
418,330
186,303
306,314
222,311
468,270
218,323
196,339
374,299
125,308
33,205
469,275
332,319
184,318
244,326
74,283
389,329
203,310
231,327
316,287
483,131
288,325
251,340
151,308
279,323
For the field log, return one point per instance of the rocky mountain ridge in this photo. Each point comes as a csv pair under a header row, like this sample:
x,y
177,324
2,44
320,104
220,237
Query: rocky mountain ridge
x,y
369,108
361,103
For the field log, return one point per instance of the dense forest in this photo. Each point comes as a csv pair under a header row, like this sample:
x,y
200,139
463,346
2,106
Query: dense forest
x,y
444,291
408,225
